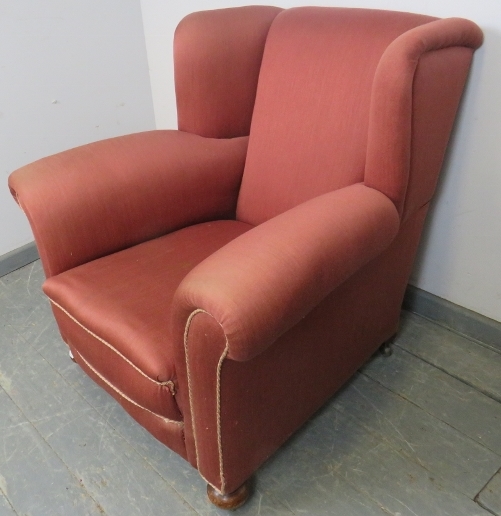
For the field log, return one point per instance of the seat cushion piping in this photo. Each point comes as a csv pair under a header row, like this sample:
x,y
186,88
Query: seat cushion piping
x,y
168,383
101,377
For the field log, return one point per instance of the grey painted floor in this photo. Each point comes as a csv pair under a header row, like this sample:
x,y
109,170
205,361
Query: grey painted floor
x,y
414,434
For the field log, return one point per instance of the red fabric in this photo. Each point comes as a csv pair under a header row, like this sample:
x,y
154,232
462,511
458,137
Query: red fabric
x,y
263,282
309,130
217,57
125,299
393,96
97,199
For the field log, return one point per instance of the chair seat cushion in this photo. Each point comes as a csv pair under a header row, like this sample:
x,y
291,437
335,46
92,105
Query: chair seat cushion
x,y
114,312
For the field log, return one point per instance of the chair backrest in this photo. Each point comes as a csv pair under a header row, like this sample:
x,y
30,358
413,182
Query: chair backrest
x,y
310,125
316,106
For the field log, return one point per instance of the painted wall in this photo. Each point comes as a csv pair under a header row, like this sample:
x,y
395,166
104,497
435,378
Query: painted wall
x,y
460,254
71,72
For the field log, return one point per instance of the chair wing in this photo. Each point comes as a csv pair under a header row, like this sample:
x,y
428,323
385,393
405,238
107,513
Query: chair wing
x,y
416,93
217,56
106,196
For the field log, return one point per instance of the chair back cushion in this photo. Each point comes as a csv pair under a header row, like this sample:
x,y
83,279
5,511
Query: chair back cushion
x,y
310,122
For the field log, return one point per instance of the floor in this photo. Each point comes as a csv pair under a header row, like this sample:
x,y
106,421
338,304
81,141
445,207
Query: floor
x,y
417,433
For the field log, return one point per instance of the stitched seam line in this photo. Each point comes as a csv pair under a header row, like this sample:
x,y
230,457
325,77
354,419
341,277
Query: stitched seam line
x,y
99,375
218,397
168,383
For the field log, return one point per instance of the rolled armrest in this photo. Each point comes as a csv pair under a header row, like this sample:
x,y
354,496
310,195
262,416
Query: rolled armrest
x,y
106,196
262,283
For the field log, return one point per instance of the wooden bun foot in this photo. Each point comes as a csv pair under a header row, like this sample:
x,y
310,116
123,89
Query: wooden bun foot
x,y
230,501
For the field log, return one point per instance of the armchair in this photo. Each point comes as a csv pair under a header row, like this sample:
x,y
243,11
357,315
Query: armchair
x,y
224,280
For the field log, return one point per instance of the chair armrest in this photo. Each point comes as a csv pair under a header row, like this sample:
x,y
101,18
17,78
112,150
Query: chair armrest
x,y
262,283
106,196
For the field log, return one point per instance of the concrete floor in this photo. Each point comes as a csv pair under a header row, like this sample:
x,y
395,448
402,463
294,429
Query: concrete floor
x,y
414,434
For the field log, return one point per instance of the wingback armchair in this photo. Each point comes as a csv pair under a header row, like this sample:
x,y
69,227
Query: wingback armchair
x,y
222,281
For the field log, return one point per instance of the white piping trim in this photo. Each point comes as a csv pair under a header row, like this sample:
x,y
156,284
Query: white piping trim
x,y
100,376
210,483
218,414
190,397
218,397
168,383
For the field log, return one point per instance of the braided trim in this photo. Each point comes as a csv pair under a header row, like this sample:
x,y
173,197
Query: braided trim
x,y
218,397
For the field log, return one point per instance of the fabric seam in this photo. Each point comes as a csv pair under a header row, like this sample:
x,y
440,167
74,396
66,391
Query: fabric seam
x,y
118,391
168,383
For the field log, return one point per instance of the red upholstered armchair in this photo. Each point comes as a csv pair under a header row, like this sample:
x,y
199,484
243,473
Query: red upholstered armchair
x,y
222,281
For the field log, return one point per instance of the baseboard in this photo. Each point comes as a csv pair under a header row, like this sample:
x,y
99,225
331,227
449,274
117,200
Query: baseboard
x,y
18,258
455,317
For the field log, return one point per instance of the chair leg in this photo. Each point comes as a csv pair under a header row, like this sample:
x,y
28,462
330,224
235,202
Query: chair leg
x,y
230,501
386,348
